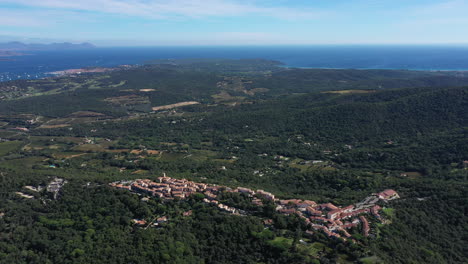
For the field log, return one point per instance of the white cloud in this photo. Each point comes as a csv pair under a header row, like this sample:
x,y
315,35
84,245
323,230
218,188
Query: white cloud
x,y
160,9
452,7
19,19
442,22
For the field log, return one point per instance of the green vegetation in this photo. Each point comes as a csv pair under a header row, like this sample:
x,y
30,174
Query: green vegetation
x,y
9,146
325,135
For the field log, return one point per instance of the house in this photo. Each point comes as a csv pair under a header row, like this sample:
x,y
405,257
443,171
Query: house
x,y
266,195
365,226
286,211
139,222
348,209
210,196
318,219
375,211
334,214
338,222
161,220
158,194
213,189
311,211
293,202
120,186
328,206
257,202
345,233
348,225
388,195
268,222
179,195
245,190
188,213
302,205
310,203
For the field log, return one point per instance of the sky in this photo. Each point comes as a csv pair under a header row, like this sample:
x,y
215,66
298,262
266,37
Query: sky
x,y
235,22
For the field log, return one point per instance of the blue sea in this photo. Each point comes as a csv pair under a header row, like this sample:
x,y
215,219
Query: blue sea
x,y
39,63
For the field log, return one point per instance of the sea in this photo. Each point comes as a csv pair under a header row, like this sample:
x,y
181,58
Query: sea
x,y
37,64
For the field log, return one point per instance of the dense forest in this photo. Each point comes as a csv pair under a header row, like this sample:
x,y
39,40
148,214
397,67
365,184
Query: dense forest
x,y
325,135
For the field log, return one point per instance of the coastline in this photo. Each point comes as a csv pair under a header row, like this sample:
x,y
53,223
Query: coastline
x,y
371,68
94,69
409,58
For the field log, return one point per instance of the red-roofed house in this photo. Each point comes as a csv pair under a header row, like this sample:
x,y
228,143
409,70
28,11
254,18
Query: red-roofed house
x,y
388,195
334,213
188,213
365,226
328,206
312,211
286,211
266,195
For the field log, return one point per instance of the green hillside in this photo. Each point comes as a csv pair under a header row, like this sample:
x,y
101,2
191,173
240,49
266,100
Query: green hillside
x,y
325,135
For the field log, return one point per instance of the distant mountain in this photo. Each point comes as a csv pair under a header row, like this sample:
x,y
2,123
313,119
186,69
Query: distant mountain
x,y
15,45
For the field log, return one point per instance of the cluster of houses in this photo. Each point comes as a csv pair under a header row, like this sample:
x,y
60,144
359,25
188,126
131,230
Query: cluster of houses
x,y
155,223
169,188
53,187
328,218
333,220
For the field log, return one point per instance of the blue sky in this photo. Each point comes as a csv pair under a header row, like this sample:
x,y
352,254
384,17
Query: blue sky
x,y
235,22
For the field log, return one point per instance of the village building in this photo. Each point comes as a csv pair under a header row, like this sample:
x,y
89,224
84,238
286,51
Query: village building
x,y
187,213
245,190
388,195
266,195
139,222
365,226
328,206
287,211
334,214
257,202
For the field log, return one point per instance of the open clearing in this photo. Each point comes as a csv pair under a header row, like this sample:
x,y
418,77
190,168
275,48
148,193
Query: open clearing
x,y
131,99
170,106
54,126
149,152
65,155
224,96
350,92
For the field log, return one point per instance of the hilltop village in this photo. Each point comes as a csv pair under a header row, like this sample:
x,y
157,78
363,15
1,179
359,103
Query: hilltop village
x,y
333,220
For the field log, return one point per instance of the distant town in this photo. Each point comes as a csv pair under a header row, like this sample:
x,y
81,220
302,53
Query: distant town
x,y
328,218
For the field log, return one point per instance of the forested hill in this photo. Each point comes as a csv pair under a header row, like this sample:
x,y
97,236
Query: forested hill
x,y
384,114
308,80
138,89
331,136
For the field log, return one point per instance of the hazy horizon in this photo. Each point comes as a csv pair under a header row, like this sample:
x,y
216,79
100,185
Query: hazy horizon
x,y
27,41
